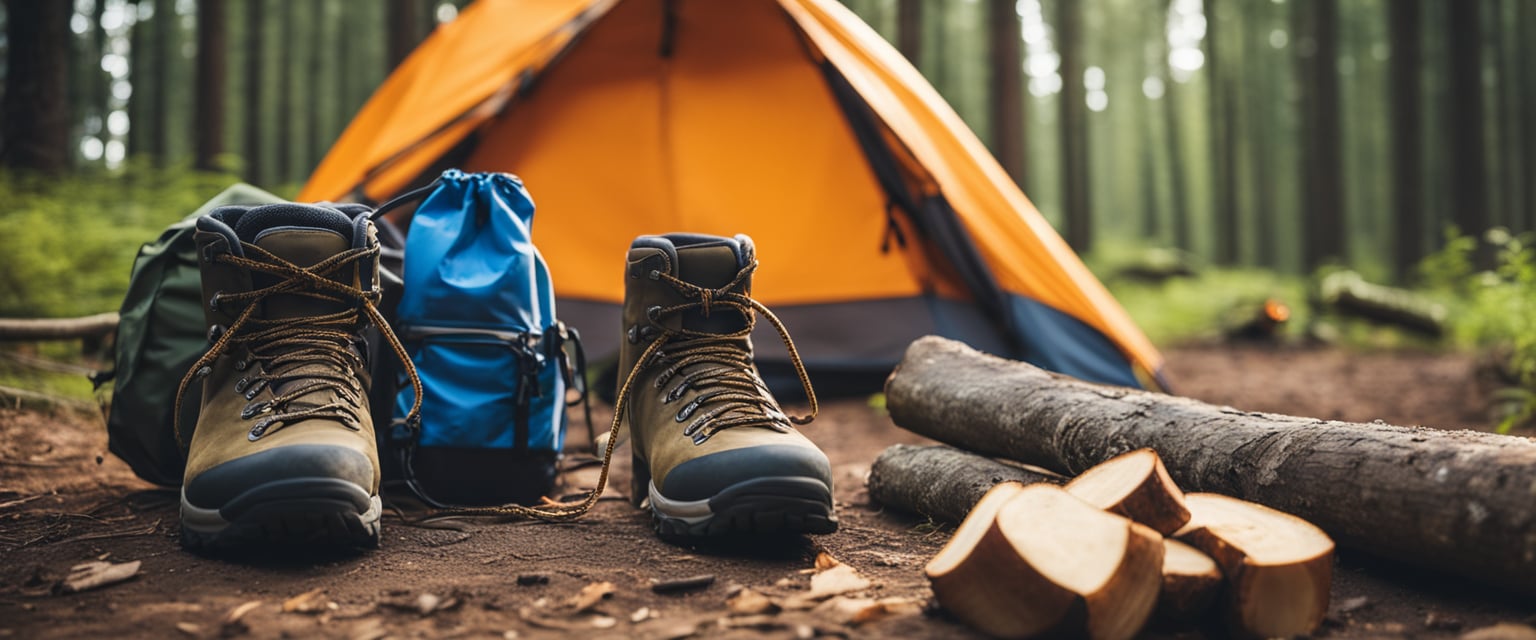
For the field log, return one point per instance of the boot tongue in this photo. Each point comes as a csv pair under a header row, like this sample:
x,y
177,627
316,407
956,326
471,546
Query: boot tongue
x,y
304,236
712,266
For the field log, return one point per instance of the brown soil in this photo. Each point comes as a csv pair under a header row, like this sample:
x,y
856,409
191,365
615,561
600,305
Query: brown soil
x,y
64,500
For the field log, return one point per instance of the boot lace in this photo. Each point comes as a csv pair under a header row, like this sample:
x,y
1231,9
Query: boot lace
x,y
735,396
314,352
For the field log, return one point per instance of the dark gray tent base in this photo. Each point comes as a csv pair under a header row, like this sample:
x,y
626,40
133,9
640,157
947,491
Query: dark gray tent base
x,y
850,347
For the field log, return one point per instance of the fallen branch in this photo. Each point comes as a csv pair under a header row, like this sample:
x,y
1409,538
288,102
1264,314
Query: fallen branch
x,y
30,329
1457,501
940,482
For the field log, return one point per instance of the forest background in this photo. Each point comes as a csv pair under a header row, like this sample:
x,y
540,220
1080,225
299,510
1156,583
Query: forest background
x,y
1265,138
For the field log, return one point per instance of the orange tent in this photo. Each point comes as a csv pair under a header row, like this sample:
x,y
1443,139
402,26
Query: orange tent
x,y
878,215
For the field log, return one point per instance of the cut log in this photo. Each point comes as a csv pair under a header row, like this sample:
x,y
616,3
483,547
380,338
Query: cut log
x,y
940,482
1137,486
1034,560
1457,501
1191,581
1278,567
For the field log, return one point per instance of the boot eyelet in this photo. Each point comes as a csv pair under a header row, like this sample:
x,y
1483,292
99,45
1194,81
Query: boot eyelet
x,y
253,410
653,313
241,384
215,332
655,274
213,303
634,334
240,365
260,429
205,372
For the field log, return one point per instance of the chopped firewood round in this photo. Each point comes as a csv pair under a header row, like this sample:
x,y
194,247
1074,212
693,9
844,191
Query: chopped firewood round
x,y
1035,560
1191,581
1279,567
1137,486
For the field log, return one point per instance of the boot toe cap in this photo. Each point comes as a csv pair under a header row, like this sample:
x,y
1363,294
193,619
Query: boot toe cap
x,y
704,477
291,465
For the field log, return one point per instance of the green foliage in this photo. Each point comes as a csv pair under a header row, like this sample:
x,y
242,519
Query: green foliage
x,y
67,244
1494,309
1196,307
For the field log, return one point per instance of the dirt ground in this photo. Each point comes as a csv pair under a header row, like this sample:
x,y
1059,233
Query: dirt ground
x,y
65,501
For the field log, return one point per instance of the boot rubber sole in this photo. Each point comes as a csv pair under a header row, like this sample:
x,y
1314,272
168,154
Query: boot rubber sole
x,y
762,506
310,512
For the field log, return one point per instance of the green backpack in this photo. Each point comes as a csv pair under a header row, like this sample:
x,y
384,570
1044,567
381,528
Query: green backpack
x,y
160,333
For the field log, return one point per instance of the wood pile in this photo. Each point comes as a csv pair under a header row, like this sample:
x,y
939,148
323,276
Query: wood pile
x,y
1091,560
1252,547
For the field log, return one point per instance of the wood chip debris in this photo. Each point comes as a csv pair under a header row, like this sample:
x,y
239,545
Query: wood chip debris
x,y
233,623
1501,631
309,602
190,628
751,603
680,585
96,574
836,581
641,615
589,596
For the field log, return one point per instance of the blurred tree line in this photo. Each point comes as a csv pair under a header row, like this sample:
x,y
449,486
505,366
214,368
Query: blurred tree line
x,y
1277,133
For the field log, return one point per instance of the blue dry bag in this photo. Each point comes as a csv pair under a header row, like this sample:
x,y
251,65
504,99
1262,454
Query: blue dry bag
x,y
477,317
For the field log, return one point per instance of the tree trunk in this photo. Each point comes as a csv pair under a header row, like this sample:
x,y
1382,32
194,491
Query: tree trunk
x,y
1260,125
1178,200
1003,28
100,81
314,142
1076,209
1322,198
940,482
1464,121
1457,501
1403,77
404,27
909,29
139,102
34,132
286,69
255,91
160,64
212,52
1224,213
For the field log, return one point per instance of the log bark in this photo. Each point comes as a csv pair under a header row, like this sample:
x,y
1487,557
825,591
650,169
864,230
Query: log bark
x,y
30,329
940,482
1456,501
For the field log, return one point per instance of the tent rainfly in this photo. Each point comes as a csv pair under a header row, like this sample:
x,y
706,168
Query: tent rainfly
x,y
878,215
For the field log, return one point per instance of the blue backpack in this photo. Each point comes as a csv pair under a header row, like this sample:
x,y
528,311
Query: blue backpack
x,y
477,316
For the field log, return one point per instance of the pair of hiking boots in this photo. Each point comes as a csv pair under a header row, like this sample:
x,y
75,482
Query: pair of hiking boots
x,y
284,449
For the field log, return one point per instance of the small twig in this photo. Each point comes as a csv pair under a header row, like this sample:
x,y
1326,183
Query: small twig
x,y
29,463
151,530
21,501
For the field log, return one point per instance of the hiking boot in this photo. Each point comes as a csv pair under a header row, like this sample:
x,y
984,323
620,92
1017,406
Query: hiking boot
x,y
284,448
713,452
